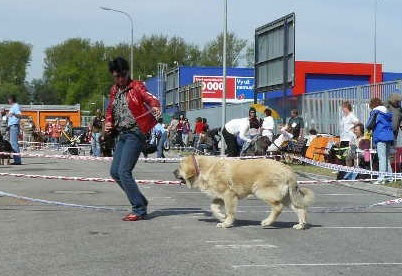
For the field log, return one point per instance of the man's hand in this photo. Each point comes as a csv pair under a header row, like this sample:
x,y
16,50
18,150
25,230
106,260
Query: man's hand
x,y
108,127
156,111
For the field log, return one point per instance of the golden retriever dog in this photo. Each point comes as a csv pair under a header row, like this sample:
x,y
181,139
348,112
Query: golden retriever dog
x,y
228,180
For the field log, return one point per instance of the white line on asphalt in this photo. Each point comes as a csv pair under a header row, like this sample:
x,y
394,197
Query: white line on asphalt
x,y
244,246
317,194
361,227
343,194
339,227
314,265
229,241
189,192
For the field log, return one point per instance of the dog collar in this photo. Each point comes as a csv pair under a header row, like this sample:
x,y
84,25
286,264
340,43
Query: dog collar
x,y
197,168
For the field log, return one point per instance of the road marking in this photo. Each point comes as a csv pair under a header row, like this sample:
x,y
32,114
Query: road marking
x,y
361,227
229,241
314,265
336,227
343,194
244,246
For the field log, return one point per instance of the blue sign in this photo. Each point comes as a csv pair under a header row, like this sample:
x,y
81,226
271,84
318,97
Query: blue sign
x,y
245,88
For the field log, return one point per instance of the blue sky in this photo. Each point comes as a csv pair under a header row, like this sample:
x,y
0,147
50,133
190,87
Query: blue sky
x,y
326,30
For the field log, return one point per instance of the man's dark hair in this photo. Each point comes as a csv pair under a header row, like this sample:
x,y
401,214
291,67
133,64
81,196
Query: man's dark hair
x,y
268,112
119,65
160,120
204,120
295,111
13,98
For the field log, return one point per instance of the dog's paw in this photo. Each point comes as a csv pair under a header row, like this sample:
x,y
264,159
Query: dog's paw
x,y
219,216
224,225
266,222
300,226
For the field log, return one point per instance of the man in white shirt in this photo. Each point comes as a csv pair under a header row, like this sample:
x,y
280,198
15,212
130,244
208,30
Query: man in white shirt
x,y
268,125
232,129
14,116
348,122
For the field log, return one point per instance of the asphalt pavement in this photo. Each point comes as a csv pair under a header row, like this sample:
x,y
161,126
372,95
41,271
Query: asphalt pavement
x,y
180,236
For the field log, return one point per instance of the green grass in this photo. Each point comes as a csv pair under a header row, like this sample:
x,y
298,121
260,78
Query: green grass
x,y
396,184
312,169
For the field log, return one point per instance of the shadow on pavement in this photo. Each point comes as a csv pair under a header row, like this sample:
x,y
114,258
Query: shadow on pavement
x,y
245,223
176,212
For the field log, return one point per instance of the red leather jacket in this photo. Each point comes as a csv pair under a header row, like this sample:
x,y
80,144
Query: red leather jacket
x,y
139,101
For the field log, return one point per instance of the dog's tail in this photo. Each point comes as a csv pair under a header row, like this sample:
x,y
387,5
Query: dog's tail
x,y
300,197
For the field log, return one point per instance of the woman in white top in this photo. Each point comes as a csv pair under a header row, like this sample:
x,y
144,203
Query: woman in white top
x,y
348,122
268,125
232,129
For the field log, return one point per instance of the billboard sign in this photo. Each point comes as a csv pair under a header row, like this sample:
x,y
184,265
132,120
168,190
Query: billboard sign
x,y
238,89
275,54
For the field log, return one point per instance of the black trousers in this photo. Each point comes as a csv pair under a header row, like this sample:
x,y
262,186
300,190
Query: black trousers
x,y
230,140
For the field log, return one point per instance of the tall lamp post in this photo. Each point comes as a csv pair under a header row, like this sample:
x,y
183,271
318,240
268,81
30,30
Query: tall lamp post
x,y
132,37
375,41
225,31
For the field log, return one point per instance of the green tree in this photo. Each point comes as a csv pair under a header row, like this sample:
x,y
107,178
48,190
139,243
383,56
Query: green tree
x,y
15,57
249,56
14,60
42,93
212,54
20,91
76,69
158,48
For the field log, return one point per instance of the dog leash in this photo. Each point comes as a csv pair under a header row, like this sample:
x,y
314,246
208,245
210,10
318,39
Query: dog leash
x,y
197,168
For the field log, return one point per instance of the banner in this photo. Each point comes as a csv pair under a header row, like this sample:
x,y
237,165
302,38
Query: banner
x,y
238,89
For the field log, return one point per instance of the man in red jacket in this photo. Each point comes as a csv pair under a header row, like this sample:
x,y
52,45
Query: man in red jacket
x,y
130,115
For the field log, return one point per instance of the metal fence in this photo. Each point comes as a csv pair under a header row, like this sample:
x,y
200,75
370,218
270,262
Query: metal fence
x,y
322,110
214,114
190,97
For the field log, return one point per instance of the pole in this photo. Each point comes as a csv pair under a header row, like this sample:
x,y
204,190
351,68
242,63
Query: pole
x,y
132,37
285,68
225,30
131,47
375,42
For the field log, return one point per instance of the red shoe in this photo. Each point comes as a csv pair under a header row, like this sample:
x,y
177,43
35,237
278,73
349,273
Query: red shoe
x,y
133,217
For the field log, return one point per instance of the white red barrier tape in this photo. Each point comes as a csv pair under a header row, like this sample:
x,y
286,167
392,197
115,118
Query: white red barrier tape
x,y
63,204
342,168
389,202
87,179
157,182
359,208
92,158
329,181
329,166
84,158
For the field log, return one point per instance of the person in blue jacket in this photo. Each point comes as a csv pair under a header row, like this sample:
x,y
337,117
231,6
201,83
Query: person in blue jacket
x,y
380,123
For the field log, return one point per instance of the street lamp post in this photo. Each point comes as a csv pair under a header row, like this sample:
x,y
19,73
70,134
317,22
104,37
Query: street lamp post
x,y
132,37
375,41
225,31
